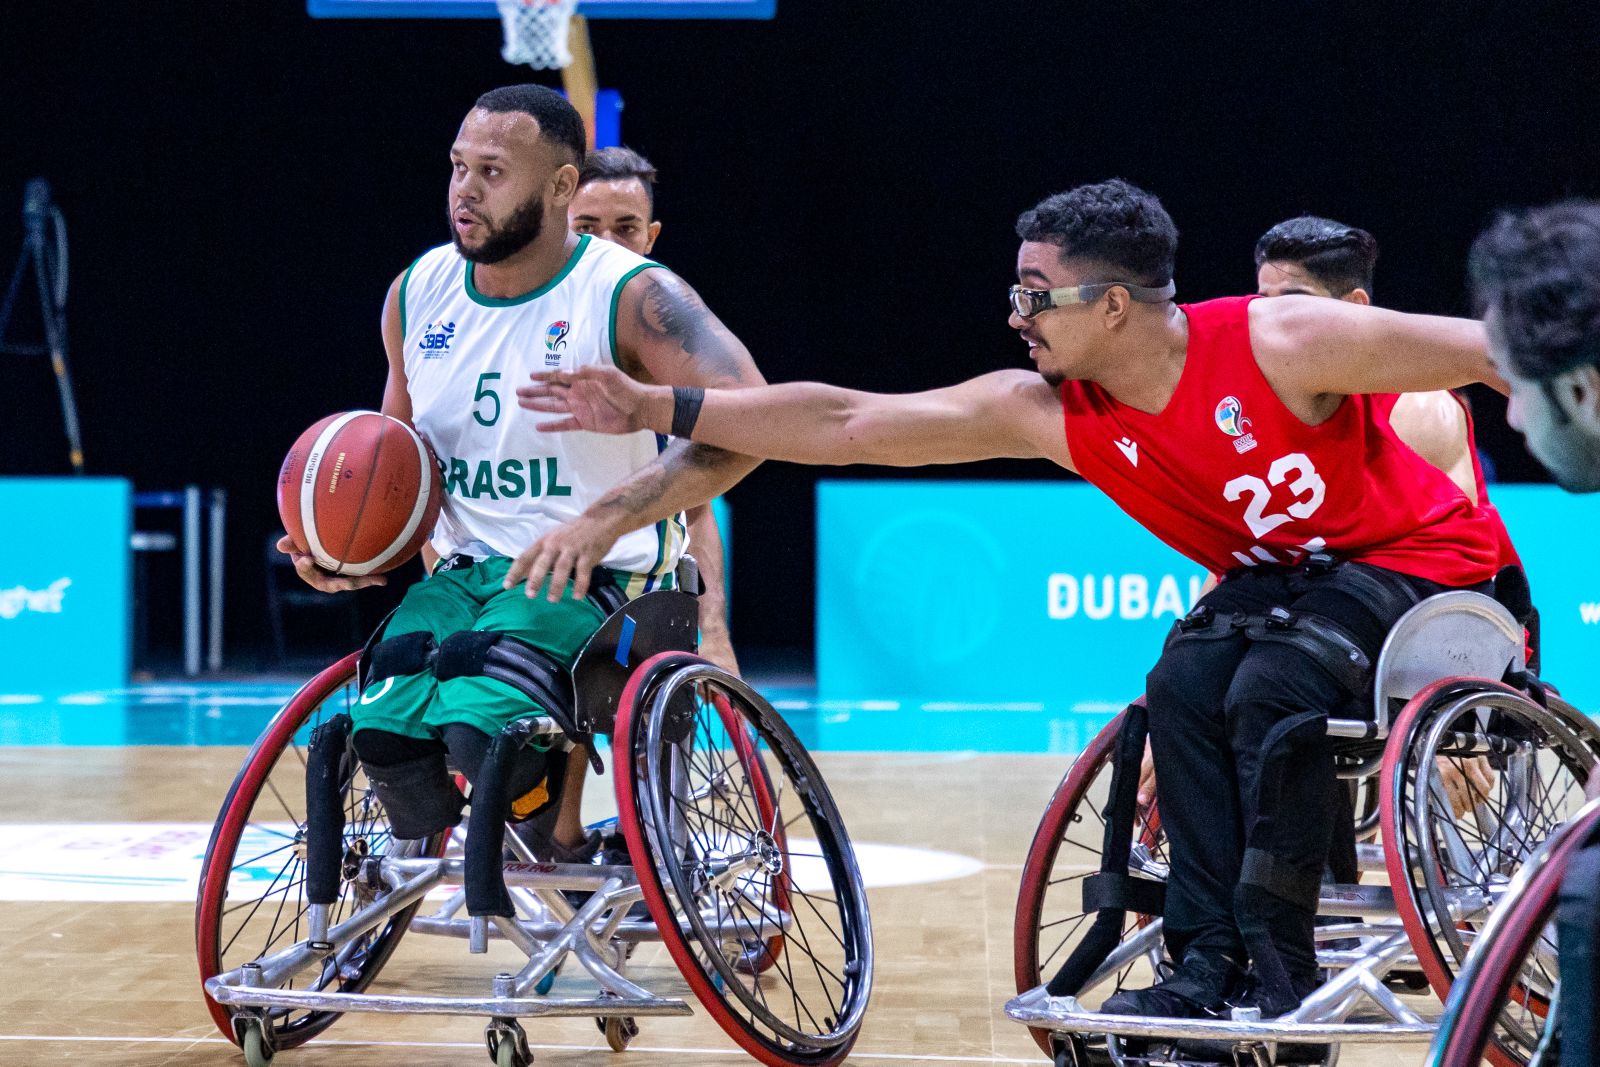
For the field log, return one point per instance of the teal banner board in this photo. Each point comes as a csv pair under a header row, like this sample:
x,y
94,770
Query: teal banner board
x,y
64,584
984,593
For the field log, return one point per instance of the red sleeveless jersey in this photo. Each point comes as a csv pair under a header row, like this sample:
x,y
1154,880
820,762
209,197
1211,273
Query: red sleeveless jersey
x,y
1229,477
1508,557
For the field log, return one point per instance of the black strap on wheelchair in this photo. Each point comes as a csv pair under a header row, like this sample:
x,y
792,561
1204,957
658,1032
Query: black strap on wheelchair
x,y
484,875
1325,641
1123,892
1112,892
531,671
402,654
605,593
1514,594
327,772
414,652
364,663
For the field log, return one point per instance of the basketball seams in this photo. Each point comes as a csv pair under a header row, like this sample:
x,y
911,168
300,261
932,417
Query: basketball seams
x,y
309,480
419,509
374,463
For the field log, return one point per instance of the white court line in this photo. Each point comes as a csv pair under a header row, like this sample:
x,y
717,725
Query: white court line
x,y
896,1056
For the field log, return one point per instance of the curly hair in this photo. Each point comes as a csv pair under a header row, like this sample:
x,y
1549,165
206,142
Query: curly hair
x,y
1538,271
1111,223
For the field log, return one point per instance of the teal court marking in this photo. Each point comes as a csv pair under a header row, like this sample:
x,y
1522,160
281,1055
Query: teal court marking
x,y
235,712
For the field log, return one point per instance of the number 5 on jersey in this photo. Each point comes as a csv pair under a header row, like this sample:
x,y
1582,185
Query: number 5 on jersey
x,y
1308,489
483,394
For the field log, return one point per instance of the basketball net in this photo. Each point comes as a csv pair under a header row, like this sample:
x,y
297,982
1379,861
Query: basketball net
x,y
536,32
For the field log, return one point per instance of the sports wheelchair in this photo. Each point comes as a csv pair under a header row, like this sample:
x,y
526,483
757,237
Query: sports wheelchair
x,y
739,857
1450,685
1524,978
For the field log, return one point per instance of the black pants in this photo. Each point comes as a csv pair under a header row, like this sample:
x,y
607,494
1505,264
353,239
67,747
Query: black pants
x,y
1213,703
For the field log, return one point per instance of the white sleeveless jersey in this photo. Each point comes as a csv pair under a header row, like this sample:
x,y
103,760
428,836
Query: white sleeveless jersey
x,y
506,483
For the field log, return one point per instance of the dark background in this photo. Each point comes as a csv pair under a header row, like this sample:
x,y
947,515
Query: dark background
x,y
242,182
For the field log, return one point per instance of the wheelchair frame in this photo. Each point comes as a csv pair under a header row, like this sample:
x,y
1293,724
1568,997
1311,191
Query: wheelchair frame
x,y
1470,1030
599,933
1460,636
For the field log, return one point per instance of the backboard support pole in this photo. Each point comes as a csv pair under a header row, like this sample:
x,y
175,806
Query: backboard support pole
x,y
578,77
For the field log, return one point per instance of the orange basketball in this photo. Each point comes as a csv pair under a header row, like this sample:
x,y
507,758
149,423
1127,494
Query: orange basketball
x,y
360,492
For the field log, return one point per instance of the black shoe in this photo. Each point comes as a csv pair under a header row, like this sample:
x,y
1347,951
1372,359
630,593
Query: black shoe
x,y
1198,988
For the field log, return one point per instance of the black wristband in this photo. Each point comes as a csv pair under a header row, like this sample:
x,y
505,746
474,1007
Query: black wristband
x,y
686,401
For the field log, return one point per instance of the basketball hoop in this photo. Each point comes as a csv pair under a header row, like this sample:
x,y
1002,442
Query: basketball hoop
x,y
536,32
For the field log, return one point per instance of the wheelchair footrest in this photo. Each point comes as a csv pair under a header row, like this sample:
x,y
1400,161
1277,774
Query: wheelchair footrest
x,y
229,993
1065,1015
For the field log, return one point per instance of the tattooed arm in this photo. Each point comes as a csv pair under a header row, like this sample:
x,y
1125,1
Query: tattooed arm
x,y
665,335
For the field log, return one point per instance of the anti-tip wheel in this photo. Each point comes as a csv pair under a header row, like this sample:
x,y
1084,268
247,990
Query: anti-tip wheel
x,y
620,1032
257,1053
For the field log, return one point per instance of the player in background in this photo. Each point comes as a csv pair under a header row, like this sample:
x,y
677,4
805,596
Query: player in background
x,y
515,291
1319,257
1316,518
1536,275
616,202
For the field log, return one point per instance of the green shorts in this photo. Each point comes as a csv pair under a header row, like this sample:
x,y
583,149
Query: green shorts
x,y
473,598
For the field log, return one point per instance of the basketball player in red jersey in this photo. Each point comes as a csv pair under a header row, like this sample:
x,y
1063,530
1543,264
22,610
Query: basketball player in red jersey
x,y
1315,256
1242,433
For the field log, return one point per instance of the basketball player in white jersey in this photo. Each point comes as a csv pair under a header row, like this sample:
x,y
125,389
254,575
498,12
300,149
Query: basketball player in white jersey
x,y
616,202
512,293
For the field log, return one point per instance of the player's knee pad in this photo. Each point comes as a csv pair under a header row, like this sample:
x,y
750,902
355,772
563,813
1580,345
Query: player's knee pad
x,y
419,795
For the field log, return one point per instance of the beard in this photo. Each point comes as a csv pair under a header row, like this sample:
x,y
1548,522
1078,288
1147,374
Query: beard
x,y
504,240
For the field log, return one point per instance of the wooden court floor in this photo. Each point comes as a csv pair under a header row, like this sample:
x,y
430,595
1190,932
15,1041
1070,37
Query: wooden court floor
x,y
115,983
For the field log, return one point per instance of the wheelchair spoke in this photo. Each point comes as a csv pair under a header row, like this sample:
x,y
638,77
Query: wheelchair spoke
x,y
723,809
284,804
271,852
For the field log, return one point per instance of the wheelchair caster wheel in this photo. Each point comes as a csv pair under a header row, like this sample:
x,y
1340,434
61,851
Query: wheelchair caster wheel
x,y
257,1053
620,1031
508,1044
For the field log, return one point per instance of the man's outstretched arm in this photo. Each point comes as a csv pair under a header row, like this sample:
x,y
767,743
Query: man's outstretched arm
x,y
1007,414
1307,346
664,333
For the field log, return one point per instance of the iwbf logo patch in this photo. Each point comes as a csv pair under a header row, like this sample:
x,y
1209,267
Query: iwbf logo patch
x,y
1231,421
1590,613
555,339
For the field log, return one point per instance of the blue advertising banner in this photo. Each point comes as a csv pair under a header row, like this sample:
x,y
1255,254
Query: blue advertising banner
x,y
64,584
994,592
